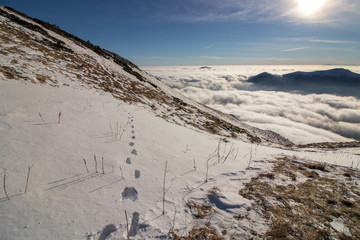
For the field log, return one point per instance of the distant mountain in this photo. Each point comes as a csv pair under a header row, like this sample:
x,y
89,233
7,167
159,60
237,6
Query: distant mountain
x,y
335,81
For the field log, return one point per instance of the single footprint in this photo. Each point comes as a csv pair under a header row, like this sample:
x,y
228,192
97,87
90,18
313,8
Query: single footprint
x,y
131,144
137,173
107,230
128,160
134,152
133,137
132,126
130,193
134,228
132,131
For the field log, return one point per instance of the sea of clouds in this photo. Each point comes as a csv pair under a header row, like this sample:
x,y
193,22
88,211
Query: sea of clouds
x,y
299,116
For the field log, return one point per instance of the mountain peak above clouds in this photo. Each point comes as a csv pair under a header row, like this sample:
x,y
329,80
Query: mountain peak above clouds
x,y
39,52
338,81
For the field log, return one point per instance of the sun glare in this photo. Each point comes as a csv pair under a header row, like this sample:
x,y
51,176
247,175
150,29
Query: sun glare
x,y
310,7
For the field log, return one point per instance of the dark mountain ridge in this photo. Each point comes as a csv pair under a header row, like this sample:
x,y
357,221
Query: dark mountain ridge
x,y
337,81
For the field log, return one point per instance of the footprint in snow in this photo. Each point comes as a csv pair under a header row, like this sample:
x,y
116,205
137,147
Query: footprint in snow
x,y
130,193
134,228
132,126
107,230
131,144
134,152
133,137
128,160
132,131
137,173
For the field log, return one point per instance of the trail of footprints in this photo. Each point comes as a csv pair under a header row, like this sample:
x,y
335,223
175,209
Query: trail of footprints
x,y
130,192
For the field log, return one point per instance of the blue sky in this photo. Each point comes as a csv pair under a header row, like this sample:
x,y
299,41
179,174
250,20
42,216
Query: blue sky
x,y
211,32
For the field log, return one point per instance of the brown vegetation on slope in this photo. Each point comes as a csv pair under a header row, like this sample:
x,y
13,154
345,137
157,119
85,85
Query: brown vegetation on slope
x,y
305,210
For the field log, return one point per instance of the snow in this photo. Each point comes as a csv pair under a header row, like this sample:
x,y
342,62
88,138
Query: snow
x,y
64,201
338,225
61,194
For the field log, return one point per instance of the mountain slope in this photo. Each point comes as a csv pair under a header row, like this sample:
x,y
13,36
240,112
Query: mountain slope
x,y
66,60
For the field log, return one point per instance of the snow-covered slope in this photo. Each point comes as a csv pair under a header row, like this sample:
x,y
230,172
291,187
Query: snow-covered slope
x,y
39,55
83,156
64,201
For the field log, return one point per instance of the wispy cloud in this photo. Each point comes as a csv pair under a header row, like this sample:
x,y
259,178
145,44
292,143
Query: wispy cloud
x,y
312,39
294,49
293,39
161,57
334,12
212,57
209,46
230,10
330,41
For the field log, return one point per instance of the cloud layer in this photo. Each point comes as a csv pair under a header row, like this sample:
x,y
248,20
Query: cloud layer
x,y
303,118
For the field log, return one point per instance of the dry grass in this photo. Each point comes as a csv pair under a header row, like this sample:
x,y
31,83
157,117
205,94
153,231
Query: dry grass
x,y
14,61
200,233
305,210
201,211
331,145
7,72
41,78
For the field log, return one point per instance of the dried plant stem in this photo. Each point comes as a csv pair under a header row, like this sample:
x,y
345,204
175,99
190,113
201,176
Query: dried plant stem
x,y
122,132
5,187
27,179
163,212
230,151
237,152
87,170
41,117
173,222
102,163
127,225
116,133
59,117
207,169
194,166
218,151
250,158
122,175
96,170
112,131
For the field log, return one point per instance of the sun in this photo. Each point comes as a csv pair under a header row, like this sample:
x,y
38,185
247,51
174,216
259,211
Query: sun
x,y
310,7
